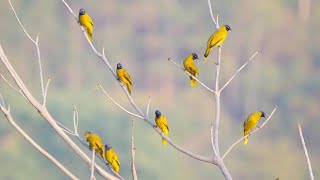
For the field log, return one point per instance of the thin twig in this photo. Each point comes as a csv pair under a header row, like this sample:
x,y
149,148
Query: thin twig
x,y
1,100
36,43
34,144
206,87
15,89
212,142
75,119
254,131
133,151
148,106
234,75
212,17
65,129
46,91
305,151
131,113
92,165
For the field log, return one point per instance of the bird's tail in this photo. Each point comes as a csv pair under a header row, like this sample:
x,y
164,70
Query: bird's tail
x,y
207,53
193,82
165,132
89,34
128,88
246,139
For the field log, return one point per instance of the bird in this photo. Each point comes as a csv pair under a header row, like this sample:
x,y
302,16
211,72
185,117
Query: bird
x,y
124,77
162,124
95,143
112,158
86,21
251,122
216,39
189,66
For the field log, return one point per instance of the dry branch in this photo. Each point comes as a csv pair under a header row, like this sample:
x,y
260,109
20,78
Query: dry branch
x,y
305,151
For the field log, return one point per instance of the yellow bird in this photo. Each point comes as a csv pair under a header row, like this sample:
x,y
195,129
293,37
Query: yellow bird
x,y
216,39
124,77
251,122
95,143
86,21
189,66
112,158
162,124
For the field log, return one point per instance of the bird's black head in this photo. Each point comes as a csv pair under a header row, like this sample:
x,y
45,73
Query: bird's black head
x,y
107,146
119,66
82,12
194,56
158,113
228,27
263,114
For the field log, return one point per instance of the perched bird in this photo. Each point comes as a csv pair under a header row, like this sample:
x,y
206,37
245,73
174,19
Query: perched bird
x,y
95,143
86,21
112,158
216,39
191,67
124,76
162,124
251,122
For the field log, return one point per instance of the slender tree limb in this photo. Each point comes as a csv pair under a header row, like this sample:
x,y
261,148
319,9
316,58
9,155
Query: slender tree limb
x,y
215,23
133,151
15,89
206,87
254,131
234,75
46,91
131,113
8,116
148,106
92,165
212,142
36,43
305,151
46,115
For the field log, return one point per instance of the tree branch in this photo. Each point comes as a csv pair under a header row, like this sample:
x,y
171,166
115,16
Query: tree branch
x,y
46,115
133,151
36,43
92,165
215,23
305,151
206,87
15,89
256,130
46,91
8,116
148,106
234,75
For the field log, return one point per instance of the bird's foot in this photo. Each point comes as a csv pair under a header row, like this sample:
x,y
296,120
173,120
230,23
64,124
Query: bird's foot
x,y
258,127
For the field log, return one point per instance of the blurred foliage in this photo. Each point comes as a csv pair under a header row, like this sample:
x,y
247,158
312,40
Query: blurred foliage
x,y
142,35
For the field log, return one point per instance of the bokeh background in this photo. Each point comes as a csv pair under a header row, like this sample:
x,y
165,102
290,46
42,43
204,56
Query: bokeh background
x,y
142,34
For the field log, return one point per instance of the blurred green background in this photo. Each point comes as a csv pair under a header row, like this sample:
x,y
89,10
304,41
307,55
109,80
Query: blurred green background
x,y
141,35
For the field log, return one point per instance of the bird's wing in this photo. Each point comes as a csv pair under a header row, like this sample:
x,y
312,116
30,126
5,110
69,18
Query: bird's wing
x,y
127,76
90,20
194,69
115,158
215,38
165,123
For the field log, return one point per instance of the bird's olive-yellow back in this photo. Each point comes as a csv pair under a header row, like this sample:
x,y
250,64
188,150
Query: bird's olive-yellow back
x,y
250,123
190,66
216,39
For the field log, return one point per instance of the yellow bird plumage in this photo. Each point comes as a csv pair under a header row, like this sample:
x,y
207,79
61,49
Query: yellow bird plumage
x,y
112,158
95,143
86,21
162,124
251,122
189,66
216,39
124,76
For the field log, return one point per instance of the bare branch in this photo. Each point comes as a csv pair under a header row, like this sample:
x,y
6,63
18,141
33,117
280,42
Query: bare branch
x,y
65,129
92,165
206,87
254,131
305,152
15,89
133,151
148,106
46,91
22,27
34,144
36,43
2,101
212,141
234,75
216,25
131,113
75,119
46,115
